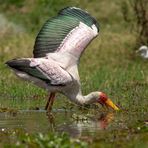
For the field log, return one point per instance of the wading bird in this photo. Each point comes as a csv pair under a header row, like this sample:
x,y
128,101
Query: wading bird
x,y
57,50
143,50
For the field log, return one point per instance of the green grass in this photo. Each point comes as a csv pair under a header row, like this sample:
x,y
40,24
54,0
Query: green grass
x,y
19,138
109,65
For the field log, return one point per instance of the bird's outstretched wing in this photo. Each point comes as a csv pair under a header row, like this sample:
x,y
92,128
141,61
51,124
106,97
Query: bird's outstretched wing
x,y
72,28
46,70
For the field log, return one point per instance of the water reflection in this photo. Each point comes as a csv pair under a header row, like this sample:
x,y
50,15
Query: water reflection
x,y
38,121
91,125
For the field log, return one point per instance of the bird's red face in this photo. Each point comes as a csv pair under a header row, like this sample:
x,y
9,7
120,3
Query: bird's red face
x,y
104,100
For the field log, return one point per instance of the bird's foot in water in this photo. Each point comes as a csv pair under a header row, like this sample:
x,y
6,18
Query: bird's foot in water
x,y
50,116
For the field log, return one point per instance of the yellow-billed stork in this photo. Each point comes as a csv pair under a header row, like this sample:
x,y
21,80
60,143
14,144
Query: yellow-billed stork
x,y
57,50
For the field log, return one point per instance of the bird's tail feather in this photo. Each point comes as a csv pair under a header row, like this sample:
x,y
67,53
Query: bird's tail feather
x,y
23,65
19,64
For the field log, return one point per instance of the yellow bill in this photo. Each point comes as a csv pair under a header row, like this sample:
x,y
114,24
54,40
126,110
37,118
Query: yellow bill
x,y
109,103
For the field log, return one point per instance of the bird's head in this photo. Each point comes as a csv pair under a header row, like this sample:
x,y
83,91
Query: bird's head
x,y
105,101
143,50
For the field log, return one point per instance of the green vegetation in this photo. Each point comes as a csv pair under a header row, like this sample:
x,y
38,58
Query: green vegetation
x,y
135,13
19,138
109,65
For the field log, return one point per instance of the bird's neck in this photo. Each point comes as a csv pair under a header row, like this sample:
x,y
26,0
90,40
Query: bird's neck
x,y
88,99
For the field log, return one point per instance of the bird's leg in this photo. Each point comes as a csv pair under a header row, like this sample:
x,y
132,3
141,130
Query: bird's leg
x,y
50,101
49,98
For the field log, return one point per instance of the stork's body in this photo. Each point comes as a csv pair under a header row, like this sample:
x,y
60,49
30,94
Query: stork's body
x,y
58,48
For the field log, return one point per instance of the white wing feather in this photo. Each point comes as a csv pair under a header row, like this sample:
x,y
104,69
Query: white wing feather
x,y
78,39
52,70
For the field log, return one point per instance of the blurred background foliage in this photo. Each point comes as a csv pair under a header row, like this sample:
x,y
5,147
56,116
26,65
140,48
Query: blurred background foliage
x,y
135,13
33,13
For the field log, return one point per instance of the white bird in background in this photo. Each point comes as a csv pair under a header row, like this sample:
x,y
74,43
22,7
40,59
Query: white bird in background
x,y
57,50
143,50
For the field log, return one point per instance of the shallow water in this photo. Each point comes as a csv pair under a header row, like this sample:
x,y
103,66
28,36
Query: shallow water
x,y
95,127
38,121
